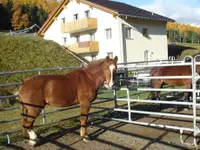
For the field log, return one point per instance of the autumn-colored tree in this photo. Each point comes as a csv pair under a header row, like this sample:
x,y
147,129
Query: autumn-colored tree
x,y
183,33
20,18
19,14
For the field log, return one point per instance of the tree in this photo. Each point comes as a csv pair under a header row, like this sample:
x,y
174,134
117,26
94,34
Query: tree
x,y
183,33
20,18
19,14
5,14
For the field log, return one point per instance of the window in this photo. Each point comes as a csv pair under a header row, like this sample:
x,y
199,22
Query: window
x,y
63,20
145,32
108,33
77,39
129,33
65,40
110,54
146,55
75,16
92,37
87,14
94,57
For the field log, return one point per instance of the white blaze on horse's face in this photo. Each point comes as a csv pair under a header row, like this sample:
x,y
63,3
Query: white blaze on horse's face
x,y
111,67
110,80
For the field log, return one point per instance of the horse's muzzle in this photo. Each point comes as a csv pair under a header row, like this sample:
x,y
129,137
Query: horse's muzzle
x,y
108,86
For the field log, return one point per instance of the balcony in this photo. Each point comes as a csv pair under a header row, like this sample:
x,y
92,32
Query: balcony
x,y
79,25
84,47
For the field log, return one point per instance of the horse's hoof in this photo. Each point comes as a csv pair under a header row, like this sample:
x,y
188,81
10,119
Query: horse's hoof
x,y
33,142
87,138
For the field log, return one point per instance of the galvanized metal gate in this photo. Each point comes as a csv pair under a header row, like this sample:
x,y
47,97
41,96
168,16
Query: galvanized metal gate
x,y
194,77
137,67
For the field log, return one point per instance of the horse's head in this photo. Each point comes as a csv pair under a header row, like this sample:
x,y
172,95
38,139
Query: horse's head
x,y
109,70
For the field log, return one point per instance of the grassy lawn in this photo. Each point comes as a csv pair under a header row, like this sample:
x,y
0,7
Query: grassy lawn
x,y
183,49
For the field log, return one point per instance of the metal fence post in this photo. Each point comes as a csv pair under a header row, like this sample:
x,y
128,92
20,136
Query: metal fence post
x,y
43,116
8,138
43,110
194,99
115,97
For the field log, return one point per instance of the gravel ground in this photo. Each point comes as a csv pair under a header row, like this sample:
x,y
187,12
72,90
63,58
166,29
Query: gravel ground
x,y
112,135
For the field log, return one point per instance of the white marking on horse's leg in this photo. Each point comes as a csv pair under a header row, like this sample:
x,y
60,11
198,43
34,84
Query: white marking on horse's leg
x,y
32,137
33,143
82,131
32,134
111,75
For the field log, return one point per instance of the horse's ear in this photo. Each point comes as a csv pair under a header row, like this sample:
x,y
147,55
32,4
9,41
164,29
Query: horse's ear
x,y
107,58
116,59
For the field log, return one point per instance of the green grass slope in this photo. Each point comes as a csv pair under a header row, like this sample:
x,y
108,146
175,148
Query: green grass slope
x,y
22,53
183,49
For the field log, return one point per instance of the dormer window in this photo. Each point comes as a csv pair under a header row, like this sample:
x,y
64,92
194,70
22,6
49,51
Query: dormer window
x,y
87,14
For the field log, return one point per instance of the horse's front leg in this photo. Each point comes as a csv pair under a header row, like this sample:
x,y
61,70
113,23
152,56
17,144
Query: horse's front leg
x,y
85,106
187,94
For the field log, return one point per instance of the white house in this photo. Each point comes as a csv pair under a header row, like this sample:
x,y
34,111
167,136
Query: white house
x,y
96,28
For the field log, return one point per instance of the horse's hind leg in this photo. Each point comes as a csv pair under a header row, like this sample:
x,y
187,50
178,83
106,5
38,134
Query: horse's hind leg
x,y
29,114
156,84
83,120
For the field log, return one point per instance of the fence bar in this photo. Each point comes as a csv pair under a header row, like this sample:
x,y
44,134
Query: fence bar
x,y
158,102
155,113
156,65
148,124
166,77
9,96
11,84
36,70
172,90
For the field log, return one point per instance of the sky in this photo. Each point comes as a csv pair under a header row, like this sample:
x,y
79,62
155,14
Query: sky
x,y
183,11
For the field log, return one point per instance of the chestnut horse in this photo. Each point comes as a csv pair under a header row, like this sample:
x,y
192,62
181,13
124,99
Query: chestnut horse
x,y
79,86
173,71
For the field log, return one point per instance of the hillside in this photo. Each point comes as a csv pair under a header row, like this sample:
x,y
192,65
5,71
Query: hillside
x,y
22,53
183,49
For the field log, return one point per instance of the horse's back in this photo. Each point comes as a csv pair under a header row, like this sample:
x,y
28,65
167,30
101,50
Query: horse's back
x,y
171,71
55,90
42,89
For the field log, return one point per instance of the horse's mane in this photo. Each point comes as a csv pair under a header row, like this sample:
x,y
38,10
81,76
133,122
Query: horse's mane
x,y
95,63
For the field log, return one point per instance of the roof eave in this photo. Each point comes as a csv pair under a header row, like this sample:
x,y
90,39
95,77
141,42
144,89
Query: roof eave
x,y
147,18
51,17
